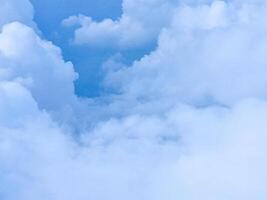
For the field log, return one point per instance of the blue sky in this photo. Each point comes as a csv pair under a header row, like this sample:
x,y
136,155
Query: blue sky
x,y
61,9
49,15
87,61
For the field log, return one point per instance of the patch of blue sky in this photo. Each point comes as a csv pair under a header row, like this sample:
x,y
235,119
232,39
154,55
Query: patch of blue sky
x,y
87,61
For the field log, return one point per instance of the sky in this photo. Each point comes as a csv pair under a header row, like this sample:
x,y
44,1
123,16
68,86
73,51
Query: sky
x,y
87,61
49,15
133,99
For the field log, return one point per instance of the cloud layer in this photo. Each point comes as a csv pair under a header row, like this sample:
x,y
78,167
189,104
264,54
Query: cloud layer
x,y
185,122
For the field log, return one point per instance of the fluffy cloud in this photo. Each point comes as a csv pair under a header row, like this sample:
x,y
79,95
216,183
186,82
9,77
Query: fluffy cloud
x,y
188,121
36,64
142,21
217,154
139,25
210,54
16,10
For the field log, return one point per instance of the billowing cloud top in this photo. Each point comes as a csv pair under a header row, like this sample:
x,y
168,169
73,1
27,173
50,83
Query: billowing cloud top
x,y
187,121
139,25
16,10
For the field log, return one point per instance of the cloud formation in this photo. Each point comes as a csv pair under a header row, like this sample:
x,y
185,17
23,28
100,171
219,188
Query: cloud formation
x,y
185,122
209,53
132,30
16,10
37,64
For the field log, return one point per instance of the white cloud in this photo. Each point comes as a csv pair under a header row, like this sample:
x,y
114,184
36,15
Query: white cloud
x,y
13,98
142,21
139,25
220,153
38,65
16,10
208,54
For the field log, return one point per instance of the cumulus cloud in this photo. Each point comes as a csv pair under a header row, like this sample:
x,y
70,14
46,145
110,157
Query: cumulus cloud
x,y
16,10
139,25
36,64
210,54
186,122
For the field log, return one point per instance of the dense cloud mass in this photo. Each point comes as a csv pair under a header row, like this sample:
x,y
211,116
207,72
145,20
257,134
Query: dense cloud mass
x,y
187,121
209,53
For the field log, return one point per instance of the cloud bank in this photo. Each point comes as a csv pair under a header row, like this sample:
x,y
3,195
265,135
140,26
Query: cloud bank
x,y
185,122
